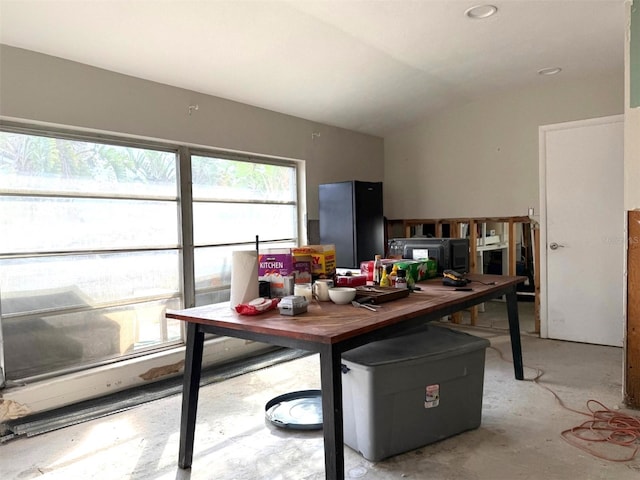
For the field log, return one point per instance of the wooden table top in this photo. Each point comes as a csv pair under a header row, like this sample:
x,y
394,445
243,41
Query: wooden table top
x,y
326,322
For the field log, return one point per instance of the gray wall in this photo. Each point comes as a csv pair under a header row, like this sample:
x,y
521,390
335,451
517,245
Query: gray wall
x,y
481,159
40,88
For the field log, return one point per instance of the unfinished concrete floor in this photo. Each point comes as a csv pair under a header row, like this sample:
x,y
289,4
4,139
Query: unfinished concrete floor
x,y
519,437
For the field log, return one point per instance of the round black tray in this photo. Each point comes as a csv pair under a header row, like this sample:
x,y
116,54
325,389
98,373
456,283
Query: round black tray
x,y
296,410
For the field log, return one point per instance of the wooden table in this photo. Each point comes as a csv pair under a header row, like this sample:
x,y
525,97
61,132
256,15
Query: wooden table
x,y
330,330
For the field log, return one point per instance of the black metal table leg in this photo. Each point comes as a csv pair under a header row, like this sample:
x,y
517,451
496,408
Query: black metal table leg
x,y
514,332
331,384
190,387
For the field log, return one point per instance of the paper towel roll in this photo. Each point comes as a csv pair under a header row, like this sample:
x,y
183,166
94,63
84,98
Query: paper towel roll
x,y
244,277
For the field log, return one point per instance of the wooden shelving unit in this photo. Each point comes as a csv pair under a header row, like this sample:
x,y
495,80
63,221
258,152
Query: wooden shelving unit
x,y
486,234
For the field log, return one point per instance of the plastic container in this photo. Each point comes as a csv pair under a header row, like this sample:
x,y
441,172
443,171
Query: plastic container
x,y
293,305
296,410
405,392
377,269
401,279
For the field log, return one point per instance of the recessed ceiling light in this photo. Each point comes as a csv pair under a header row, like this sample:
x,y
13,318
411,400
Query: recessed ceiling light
x,y
549,71
481,11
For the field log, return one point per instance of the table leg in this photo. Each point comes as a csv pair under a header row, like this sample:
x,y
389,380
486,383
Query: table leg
x,y
190,388
331,383
514,332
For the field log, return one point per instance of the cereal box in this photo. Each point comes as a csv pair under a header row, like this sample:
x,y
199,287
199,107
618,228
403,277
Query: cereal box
x,y
323,258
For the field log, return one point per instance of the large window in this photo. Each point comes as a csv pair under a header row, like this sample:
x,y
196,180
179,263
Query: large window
x,y
233,202
91,243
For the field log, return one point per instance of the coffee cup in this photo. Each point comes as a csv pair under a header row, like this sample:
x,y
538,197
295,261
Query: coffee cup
x,y
321,289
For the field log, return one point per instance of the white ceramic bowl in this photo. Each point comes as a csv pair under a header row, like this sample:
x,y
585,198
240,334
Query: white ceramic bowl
x,y
342,295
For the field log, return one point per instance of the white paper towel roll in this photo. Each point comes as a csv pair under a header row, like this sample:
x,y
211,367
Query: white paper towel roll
x,y
244,277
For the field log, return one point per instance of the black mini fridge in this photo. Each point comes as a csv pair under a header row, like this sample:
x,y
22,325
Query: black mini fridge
x,y
351,218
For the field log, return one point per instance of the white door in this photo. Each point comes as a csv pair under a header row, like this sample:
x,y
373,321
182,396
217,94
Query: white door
x,y
582,231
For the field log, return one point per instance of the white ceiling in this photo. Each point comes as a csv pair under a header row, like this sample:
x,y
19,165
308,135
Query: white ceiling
x,y
367,65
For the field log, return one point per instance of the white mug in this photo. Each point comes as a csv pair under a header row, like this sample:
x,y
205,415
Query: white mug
x,y
321,289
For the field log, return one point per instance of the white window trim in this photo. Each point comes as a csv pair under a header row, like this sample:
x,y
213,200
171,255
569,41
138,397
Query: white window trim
x,y
63,390
96,382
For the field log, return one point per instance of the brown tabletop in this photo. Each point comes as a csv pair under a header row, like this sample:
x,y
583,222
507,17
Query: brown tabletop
x,y
326,322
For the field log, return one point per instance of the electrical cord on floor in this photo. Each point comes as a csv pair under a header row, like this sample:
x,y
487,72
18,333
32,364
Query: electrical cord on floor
x,y
605,426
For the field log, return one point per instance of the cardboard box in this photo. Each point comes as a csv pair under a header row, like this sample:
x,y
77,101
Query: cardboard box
x,y
323,258
275,261
279,285
278,266
275,265
419,269
302,268
366,268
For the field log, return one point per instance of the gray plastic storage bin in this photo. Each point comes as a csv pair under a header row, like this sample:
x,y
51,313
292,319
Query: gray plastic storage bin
x,y
407,391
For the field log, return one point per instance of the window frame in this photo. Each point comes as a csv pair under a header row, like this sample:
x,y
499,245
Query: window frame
x,y
184,198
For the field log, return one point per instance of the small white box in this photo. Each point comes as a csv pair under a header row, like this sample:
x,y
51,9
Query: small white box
x,y
293,305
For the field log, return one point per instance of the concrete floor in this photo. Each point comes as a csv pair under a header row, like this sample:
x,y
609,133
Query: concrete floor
x,y
519,437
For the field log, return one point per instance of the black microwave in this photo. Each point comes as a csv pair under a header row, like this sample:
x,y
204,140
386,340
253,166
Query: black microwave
x,y
449,253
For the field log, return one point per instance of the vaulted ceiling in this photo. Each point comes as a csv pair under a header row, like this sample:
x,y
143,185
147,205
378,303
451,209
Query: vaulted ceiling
x,y
368,65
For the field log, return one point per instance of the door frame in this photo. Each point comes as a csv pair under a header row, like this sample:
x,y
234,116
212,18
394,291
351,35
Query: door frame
x,y
542,170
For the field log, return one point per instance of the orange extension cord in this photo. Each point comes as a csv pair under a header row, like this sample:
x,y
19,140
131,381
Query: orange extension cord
x,y
605,427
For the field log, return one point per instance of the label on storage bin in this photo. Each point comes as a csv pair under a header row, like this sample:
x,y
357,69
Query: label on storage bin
x,y
432,396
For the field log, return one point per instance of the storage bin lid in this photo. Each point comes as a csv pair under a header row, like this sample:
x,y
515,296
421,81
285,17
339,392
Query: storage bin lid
x,y
296,410
428,342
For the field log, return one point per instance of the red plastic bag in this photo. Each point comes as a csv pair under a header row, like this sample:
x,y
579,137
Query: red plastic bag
x,y
244,309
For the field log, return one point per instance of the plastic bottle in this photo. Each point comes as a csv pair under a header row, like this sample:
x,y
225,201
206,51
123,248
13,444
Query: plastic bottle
x,y
393,275
384,280
401,279
377,269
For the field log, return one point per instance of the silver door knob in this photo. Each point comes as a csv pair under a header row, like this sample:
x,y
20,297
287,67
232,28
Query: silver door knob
x,y
555,246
